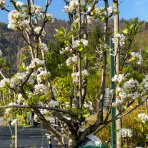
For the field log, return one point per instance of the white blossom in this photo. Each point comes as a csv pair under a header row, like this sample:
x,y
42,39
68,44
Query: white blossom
x,y
43,75
39,89
88,105
143,117
19,4
75,77
85,73
37,30
122,94
13,17
20,98
53,103
73,4
110,9
137,56
24,24
130,84
49,17
77,43
65,50
44,47
17,20
13,82
17,79
117,102
136,95
4,82
119,89
84,42
35,62
71,60
118,78
36,9
119,38
44,111
126,132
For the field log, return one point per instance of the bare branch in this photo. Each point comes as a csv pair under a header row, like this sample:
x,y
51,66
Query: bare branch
x,y
41,107
93,6
117,116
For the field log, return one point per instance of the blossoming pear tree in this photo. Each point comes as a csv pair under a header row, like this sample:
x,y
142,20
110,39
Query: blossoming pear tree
x,y
32,85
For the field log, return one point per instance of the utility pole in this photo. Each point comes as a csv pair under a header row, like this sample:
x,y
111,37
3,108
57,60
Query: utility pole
x,y
117,68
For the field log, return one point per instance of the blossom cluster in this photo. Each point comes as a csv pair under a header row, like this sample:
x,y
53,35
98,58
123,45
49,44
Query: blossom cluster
x,y
20,99
17,79
119,38
44,111
131,84
78,43
66,49
43,47
54,103
19,19
126,89
34,63
76,75
4,82
71,60
118,78
143,117
102,11
111,10
39,89
39,30
43,75
36,9
73,4
137,57
19,4
126,132
88,105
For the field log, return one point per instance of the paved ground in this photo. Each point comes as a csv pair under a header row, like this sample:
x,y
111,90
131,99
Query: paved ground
x,y
28,137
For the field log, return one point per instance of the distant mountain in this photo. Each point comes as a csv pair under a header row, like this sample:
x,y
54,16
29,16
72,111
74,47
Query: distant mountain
x,y
11,41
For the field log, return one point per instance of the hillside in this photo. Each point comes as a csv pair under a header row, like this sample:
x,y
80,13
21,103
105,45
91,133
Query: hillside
x,y
11,42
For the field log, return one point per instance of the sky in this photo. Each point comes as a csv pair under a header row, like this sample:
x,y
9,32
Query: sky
x,y
128,9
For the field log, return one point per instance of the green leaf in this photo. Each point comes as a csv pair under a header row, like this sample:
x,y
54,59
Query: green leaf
x,y
81,49
125,31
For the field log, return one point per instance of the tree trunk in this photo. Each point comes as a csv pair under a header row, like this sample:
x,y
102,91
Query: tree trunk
x,y
73,142
117,67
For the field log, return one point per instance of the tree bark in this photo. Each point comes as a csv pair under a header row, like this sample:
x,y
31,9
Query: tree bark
x,y
117,69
